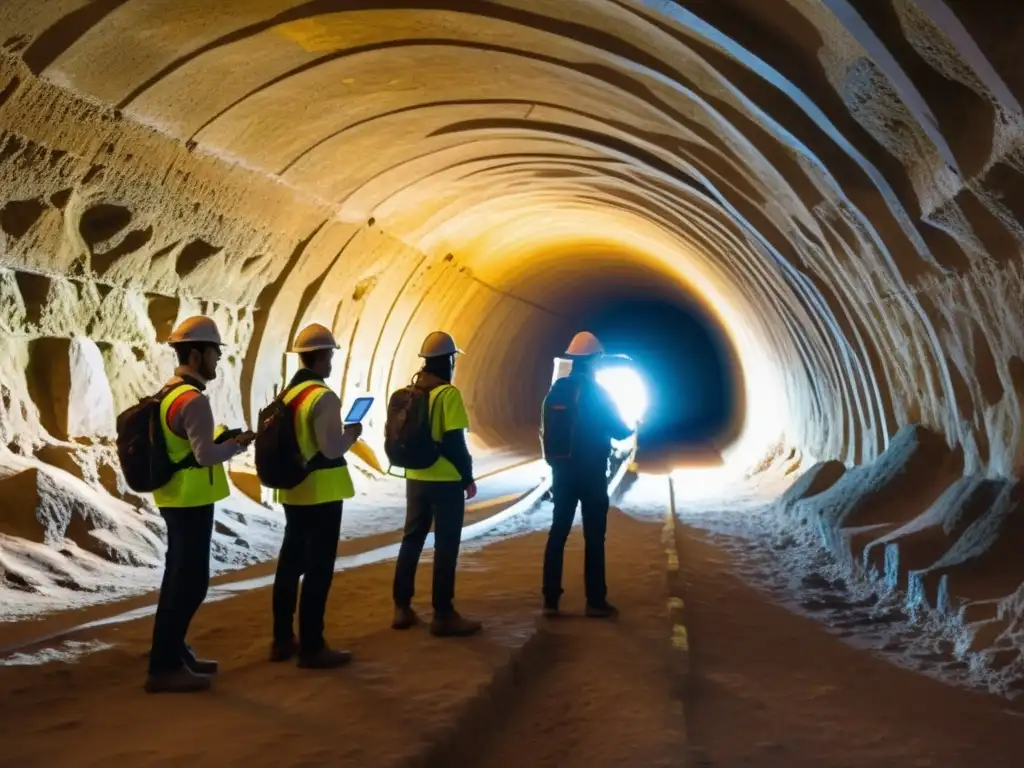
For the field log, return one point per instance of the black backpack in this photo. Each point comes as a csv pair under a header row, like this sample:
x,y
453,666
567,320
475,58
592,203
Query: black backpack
x,y
279,462
141,447
558,424
408,436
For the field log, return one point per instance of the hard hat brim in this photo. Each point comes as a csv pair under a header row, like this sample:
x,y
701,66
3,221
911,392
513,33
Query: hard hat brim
x,y
314,348
172,342
441,354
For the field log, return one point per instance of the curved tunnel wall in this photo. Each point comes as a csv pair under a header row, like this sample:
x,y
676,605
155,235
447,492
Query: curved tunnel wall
x,y
838,181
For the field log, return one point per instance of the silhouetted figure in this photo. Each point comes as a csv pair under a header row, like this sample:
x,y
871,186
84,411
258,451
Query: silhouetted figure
x,y
578,424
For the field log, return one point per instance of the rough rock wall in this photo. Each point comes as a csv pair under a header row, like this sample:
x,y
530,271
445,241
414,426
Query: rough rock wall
x,y
112,234
846,175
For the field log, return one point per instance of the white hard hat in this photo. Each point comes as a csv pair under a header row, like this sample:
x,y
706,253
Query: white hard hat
x,y
439,344
198,329
314,337
584,344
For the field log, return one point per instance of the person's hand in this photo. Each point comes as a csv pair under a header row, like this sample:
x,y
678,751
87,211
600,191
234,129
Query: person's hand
x,y
470,491
245,438
353,431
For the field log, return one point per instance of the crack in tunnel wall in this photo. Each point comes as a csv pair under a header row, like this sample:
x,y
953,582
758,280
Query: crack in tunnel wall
x,y
839,183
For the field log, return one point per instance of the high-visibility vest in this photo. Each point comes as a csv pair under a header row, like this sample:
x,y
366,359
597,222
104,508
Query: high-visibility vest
x,y
321,486
195,486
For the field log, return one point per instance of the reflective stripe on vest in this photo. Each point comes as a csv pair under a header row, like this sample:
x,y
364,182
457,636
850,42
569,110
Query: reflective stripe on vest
x,y
322,485
194,487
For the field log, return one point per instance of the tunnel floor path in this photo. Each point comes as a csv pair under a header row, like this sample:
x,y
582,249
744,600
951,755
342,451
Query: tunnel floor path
x,y
528,692
774,689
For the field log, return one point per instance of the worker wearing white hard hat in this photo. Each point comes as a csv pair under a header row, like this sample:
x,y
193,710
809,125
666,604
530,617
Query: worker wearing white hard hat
x,y
313,508
437,494
439,344
200,449
579,421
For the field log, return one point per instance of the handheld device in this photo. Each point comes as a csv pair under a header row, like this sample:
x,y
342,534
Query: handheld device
x,y
359,409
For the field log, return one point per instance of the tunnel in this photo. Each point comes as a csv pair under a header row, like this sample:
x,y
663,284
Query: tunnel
x,y
830,189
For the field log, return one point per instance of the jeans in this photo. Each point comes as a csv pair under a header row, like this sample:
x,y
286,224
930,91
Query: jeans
x,y
589,489
444,505
183,589
309,549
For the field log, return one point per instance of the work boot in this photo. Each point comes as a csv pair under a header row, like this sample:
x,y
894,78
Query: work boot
x,y
602,611
325,658
405,617
181,680
199,666
202,666
283,651
454,625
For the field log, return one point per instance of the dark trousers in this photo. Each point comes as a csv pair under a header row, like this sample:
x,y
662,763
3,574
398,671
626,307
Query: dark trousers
x,y
183,589
309,549
444,505
589,490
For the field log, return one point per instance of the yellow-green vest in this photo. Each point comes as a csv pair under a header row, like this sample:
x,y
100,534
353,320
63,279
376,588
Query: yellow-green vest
x,y
193,487
321,486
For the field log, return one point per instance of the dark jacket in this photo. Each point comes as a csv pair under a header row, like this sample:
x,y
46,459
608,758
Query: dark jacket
x,y
597,421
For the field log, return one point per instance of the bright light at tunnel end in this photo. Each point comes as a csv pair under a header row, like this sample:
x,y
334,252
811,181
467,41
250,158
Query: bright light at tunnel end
x,y
627,390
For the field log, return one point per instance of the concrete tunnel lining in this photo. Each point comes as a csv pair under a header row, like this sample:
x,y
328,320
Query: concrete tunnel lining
x,y
386,169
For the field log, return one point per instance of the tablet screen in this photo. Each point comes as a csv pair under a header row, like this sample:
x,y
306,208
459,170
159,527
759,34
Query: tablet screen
x,y
358,410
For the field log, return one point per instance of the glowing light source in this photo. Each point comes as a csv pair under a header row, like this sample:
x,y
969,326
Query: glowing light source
x,y
627,391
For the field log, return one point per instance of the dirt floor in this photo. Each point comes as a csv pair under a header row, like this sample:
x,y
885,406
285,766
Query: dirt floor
x,y
579,693
773,689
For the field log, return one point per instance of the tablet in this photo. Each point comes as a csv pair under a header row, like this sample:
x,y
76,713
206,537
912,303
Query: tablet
x,y
358,410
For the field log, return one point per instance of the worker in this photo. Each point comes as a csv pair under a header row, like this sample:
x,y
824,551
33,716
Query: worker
x,y
313,508
437,493
186,504
579,422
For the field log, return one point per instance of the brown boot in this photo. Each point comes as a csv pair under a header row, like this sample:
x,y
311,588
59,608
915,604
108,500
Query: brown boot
x,y
180,680
283,651
454,625
199,666
602,611
325,658
405,617
550,610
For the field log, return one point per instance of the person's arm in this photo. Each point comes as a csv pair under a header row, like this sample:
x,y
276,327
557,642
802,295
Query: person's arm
x,y
455,449
195,419
332,439
454,423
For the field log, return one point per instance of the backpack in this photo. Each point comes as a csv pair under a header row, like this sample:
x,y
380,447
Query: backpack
x,y
279,462
408,435
141,447
558,424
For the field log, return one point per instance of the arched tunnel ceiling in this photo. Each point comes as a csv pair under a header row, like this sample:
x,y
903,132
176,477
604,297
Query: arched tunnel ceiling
x,y
835,178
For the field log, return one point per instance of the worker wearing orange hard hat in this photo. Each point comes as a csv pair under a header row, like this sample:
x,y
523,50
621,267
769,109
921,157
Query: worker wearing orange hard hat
x,y
579,421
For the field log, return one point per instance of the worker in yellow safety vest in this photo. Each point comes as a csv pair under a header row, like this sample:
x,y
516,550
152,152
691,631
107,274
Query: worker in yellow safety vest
x,y
437,496
312,508
186,503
